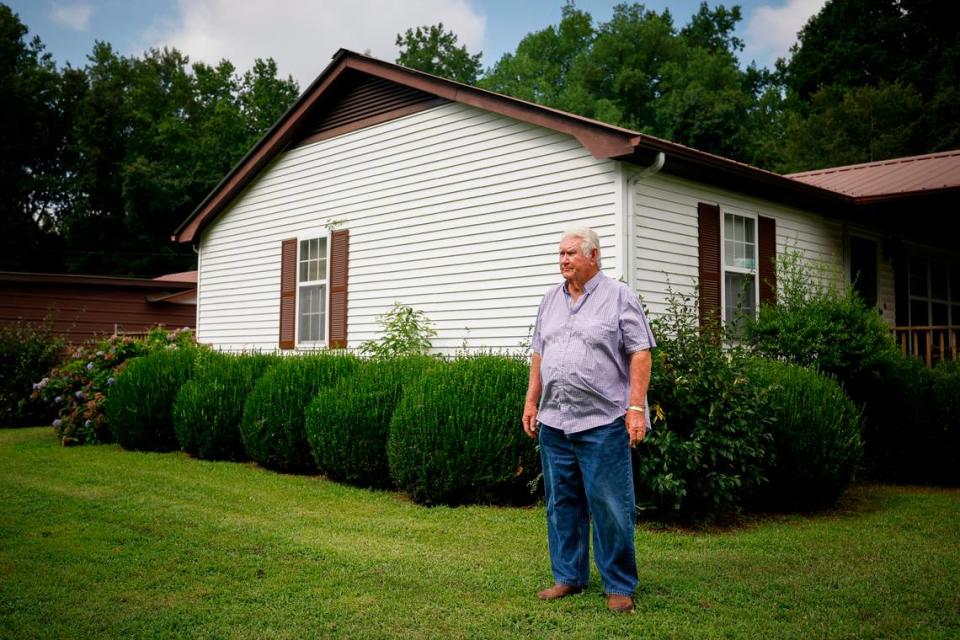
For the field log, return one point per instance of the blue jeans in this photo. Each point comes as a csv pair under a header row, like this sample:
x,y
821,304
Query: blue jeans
x,y
590,474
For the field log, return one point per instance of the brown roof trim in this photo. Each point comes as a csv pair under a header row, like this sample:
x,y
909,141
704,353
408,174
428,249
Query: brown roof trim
x,y
601,139
106,281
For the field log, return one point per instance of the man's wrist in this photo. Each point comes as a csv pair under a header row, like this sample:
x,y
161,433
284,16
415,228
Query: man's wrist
x,y
636,407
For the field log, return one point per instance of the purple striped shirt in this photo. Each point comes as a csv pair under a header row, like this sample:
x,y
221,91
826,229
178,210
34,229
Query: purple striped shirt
x,y
584,350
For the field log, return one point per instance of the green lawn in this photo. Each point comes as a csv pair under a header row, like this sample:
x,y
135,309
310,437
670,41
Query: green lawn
x,y
99,542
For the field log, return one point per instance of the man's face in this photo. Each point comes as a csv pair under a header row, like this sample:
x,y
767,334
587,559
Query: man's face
x,y
573,264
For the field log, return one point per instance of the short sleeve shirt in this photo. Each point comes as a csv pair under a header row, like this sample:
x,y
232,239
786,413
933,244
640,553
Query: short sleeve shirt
x,y
584,350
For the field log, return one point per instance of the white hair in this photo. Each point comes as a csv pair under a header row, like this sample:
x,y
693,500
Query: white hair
x,y
589,240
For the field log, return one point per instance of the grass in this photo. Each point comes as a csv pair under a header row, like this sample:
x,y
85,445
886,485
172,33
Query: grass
x,y
96,542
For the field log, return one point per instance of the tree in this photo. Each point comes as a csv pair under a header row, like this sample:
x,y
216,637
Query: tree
x,y
638,71
434,50
32,133
880,76
152,136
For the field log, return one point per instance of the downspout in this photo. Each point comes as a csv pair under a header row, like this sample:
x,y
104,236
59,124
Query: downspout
x,y
196,317
629,226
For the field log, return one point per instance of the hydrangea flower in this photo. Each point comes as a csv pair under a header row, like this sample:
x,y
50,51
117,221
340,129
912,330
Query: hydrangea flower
x,y
111,381
79,395
88,424
89,366
58,399
58,423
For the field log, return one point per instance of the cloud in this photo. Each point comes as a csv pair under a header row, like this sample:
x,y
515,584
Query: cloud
x,y
74,16
772,30
302,35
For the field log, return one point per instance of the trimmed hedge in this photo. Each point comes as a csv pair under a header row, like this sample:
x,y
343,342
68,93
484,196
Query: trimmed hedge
x,y
272,428
209,407
455,437
347,425
139,408
816,436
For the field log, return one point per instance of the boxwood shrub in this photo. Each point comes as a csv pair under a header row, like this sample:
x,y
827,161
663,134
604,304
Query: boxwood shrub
x,y
139,408
209,407
455,436
348,424
816,436
272,428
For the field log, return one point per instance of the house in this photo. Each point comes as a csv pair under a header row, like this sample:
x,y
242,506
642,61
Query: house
x,y
385,184
81,307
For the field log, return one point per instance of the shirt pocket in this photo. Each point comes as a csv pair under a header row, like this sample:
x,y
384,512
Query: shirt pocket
x,y
603,335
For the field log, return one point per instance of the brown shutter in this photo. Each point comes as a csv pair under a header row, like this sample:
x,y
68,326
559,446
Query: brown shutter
x,y
709,238
288,293
339,261
767,255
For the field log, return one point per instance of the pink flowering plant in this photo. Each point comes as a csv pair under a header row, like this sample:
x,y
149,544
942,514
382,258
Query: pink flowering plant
x,y
74,391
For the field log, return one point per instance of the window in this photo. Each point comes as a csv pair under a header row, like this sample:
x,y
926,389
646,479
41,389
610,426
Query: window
x,y
312,290
933,292
739,268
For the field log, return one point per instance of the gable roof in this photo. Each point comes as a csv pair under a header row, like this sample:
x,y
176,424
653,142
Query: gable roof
x,y
342,96
888,179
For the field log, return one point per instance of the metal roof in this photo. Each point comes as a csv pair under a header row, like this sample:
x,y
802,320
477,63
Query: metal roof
x,y
889,178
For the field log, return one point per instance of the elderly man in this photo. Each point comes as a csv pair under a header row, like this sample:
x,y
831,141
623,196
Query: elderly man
x,y
586,400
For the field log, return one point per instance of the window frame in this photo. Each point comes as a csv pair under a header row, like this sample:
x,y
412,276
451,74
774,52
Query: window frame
x,y
725,268
325,283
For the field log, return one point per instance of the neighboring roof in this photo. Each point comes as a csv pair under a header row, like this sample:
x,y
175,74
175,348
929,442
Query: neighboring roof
x,y
161,283
888,179
181,276
600,139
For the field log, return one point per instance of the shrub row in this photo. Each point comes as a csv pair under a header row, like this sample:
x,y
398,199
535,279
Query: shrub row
x,y
445,432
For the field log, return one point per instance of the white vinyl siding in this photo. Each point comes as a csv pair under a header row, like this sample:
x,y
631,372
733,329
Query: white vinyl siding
x,y
667,250
454,211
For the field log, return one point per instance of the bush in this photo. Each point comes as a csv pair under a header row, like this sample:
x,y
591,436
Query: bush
x,y
272,428
209,407
74,392
832,330
27,352
139,408
944,421
455,437
348,424
708,449
405,333
816,436
912,426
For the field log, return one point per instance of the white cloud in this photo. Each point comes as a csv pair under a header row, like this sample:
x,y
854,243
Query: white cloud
x,y
302,35
772,30
74,16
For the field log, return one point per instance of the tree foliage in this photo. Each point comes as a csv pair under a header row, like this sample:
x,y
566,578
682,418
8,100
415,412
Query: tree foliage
x,y
100,164
880,76
434,49
638,70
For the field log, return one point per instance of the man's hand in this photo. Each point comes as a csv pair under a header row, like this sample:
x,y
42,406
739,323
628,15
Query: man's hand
x,y
530,419
636,426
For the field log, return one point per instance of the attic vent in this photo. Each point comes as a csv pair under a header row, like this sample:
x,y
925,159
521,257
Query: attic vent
x,y
366,101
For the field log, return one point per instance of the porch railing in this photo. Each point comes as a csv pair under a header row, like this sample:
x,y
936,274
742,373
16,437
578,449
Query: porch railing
x,y
931,344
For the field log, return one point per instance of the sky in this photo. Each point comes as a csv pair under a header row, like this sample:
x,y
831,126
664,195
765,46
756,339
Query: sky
x,y
302,35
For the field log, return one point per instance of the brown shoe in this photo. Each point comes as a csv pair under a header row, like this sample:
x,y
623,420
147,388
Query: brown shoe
x,y
559,591
619,604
